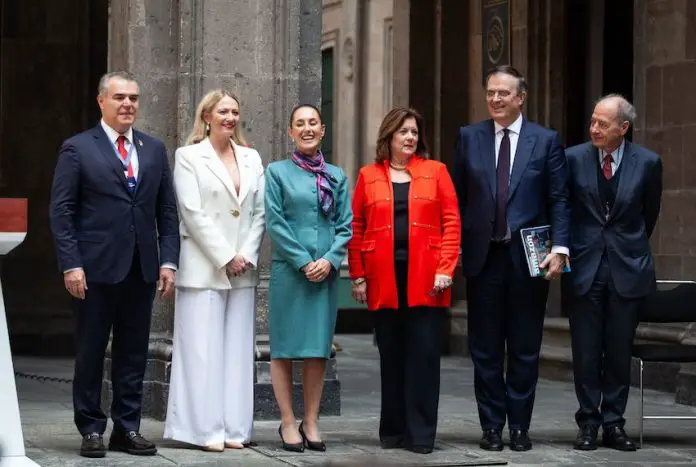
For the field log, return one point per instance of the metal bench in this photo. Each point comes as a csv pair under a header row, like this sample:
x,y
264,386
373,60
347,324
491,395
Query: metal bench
x,y
673,302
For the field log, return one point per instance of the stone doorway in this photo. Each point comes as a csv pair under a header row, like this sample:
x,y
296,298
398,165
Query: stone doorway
x,y
599,59
51,57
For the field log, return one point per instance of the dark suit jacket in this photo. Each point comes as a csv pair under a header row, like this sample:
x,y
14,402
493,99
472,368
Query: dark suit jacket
x,y
624,235
538,192
97,222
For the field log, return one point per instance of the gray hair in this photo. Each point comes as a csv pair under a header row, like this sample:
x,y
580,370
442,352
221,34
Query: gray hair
x,y
104,80
627,112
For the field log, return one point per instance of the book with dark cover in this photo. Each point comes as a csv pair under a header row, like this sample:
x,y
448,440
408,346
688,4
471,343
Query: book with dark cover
x,y
536,242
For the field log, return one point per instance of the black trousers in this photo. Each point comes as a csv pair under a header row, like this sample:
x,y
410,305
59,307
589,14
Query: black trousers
x,y
409,342
506,313
127,308
602,326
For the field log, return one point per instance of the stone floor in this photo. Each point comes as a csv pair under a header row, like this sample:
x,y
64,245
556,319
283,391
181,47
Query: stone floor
x,y
351,438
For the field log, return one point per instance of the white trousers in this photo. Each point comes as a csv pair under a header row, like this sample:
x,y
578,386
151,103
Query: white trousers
x,y
211,392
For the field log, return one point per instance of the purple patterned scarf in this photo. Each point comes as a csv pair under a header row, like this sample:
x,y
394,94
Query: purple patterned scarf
x,y
325,181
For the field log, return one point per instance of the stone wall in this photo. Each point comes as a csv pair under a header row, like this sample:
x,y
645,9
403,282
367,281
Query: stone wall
x,y
537,51
519,41
180,50
665,69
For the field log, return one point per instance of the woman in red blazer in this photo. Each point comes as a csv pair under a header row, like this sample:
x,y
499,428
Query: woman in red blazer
x,y
402,256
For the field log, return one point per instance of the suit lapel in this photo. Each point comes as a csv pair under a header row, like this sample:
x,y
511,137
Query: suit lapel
x,y
589,163
244,171
525,149
486,141
217,167
107,150
145,159
628,168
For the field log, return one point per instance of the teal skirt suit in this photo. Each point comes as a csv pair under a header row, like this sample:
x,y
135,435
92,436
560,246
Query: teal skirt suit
x,y
302,314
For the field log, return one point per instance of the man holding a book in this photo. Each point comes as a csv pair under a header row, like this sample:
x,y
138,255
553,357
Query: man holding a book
x,y
615,192
510,174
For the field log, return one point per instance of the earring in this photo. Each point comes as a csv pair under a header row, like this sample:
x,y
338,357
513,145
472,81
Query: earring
x,y
207,127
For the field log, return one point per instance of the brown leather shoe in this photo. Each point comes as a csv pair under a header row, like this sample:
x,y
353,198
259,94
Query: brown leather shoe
x,y
92,446
131,442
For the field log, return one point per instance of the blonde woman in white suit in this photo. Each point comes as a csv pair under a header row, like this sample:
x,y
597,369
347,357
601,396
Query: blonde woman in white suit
x,y
219,184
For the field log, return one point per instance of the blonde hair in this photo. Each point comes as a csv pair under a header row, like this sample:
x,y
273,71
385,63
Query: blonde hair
x,y
206,106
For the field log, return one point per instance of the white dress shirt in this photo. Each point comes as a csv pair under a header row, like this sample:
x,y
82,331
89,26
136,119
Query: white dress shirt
x,y
514,136
113,136
616,157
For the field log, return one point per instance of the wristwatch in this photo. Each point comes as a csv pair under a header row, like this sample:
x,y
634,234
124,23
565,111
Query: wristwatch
x,y
359,281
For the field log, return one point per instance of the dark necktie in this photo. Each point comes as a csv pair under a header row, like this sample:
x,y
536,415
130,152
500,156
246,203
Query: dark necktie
x,y
502,182
606,166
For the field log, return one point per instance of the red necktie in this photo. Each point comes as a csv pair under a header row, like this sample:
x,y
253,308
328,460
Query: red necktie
x,y
120,142
606,166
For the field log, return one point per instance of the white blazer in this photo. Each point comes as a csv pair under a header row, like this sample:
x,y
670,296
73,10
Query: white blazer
x,y
216,224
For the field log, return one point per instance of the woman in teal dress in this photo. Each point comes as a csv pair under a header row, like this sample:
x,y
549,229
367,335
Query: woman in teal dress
x,y
308,217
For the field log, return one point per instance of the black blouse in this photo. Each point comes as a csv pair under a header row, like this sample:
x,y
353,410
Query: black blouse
x,y
401,220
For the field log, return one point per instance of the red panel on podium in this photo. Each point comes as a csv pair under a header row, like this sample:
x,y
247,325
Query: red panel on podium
x,y
13,214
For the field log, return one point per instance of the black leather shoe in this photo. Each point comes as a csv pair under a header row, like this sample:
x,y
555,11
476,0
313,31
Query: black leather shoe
x,y
586,439
420,449
616,438
92,446
392,442
131,442
492,440
519,440
311,445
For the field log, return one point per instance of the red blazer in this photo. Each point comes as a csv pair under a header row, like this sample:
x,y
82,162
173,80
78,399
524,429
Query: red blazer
x,y
433,237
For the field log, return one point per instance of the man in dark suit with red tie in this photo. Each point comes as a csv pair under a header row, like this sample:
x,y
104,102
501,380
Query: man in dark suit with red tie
x,y
116,232
615,192
510,174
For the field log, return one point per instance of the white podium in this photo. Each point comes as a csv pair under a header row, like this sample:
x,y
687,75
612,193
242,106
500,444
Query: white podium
x,y
13,229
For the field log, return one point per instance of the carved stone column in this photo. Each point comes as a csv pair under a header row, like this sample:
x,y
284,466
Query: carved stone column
x,y
349,70
268,53
144,39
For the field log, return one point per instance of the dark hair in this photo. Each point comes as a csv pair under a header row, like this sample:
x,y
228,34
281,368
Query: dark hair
x,y
301,106
510,71
391,124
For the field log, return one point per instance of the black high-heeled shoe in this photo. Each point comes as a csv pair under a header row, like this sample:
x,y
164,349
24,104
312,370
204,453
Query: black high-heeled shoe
x,y
312,445
295,447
